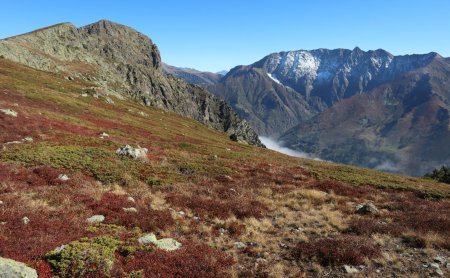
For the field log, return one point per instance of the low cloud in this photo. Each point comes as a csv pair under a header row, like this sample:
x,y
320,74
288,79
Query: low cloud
x,y
386,166
276,146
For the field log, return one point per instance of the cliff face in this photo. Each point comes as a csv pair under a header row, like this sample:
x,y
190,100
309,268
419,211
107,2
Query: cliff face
x,y
125,63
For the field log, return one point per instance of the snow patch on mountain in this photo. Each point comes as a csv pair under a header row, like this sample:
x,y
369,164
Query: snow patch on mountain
x,y
274,78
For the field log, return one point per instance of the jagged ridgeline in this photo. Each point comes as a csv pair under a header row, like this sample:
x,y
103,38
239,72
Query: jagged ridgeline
x,y
122,62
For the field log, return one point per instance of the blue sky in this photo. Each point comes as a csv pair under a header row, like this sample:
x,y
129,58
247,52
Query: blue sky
x,y
217,34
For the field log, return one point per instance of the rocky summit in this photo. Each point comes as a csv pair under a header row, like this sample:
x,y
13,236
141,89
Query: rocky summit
x,y
368,108
121,62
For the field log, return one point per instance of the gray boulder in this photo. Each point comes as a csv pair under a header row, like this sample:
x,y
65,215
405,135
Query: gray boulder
x,y
367,208
95,219
167,244
12,269
135,153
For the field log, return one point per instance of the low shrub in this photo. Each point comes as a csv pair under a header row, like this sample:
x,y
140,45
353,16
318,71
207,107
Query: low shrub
x,y
93,257
342,189
147,219
347,249
192,260
221,209
369,226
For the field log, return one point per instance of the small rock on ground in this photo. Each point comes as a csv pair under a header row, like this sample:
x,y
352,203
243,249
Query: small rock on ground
x,y
9,112
367,208
25,220
63,177
132,210
167,244
350,269
95,219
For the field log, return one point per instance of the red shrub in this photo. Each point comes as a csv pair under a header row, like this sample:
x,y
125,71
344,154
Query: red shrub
x,y
342,189
112,207
221,209
412,212
343,250
44,270
45,231
192,260
369,226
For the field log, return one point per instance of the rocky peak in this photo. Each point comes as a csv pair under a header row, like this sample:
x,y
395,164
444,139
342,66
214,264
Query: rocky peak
x,y
122,62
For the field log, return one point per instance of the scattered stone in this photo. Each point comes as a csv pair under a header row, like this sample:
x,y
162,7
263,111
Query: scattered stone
x,y
350,269
25,220
434,265
131,200
3,223
109,100
181,213
283,245
104,135
367,208
447,265
213,157
11,268
9,112
439,272
222,231
135,153
132,210
196,218
239,245
59,248
12,143
27,139
143,114
63,177
167,244
84,95
439,259
1,203
95,219
147,239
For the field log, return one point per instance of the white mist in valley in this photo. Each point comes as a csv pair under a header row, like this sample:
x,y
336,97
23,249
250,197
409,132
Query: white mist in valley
x,y
276,146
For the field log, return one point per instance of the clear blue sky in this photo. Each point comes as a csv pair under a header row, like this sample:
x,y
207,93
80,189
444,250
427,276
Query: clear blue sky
x,y
217,34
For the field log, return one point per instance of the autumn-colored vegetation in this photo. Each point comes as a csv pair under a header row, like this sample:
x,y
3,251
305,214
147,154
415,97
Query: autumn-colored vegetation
x,y
238,210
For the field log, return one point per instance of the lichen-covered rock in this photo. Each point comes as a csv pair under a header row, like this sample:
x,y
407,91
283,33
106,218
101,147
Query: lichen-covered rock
x,y
11,269
167,244
116,56
135,153
147,239
95,219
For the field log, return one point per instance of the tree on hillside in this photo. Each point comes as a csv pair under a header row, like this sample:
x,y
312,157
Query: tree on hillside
x,y
442,175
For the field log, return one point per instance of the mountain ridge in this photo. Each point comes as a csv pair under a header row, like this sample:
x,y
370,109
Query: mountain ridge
x,y
121,61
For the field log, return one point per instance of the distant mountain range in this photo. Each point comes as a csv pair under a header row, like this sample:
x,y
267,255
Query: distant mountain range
x,y
371,108
202,78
